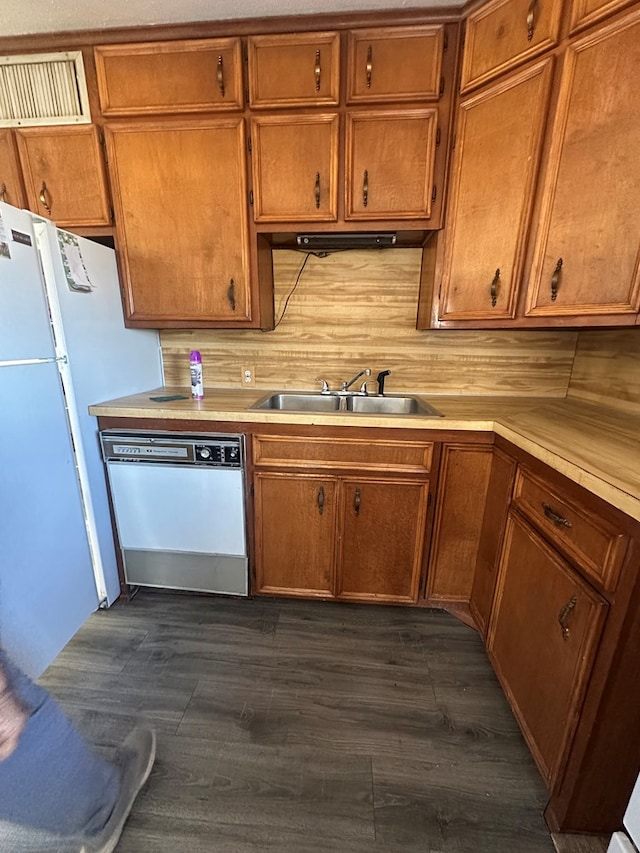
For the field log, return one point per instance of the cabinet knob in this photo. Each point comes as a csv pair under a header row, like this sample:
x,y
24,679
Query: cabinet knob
x,y
494,288
531,22
3,192
369,65
44,200
316,190
555,280
564,614
321,500
231,294
220,76
365,189
555,517
356,502
317,70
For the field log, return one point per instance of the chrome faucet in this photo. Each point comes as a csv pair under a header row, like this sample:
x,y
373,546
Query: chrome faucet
x,y
363,389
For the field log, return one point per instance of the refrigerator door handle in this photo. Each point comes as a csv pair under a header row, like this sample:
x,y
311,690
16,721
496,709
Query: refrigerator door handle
x,y
22,361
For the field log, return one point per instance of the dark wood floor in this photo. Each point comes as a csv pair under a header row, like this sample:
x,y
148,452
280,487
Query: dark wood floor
x,y
305,727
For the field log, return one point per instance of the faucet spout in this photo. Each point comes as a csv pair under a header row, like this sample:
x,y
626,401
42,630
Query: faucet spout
x,y
347,385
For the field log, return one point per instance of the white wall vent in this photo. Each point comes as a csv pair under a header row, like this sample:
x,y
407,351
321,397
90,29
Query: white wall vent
x,y
43,88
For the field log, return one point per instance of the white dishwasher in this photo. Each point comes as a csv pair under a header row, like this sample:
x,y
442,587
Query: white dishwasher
x,y
179,506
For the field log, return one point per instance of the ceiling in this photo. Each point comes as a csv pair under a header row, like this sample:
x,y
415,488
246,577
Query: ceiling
x,y
46,16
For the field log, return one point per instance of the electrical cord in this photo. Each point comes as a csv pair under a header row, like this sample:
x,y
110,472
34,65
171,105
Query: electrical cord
x,y
297,282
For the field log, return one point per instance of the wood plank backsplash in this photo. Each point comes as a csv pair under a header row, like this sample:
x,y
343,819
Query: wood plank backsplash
x,y
357,309
606,369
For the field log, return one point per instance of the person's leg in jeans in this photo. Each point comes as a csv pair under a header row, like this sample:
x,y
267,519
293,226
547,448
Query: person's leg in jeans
x,y
54,791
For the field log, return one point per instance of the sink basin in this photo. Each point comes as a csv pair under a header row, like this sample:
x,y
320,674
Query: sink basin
x,y
391,406
299,403
310,402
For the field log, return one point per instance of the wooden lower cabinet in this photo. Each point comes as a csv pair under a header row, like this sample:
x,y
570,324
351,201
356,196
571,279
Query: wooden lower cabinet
x,y
340,516
381,540
543,638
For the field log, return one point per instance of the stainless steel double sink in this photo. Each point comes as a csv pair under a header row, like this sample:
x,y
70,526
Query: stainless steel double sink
x,y
392,404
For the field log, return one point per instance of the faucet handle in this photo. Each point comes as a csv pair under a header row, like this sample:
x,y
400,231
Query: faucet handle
x,y
380,380
325,386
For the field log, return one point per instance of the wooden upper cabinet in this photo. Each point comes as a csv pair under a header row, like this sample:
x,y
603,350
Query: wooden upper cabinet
x,y
504,33
152,78
295,167
543,638
495,166
394,64
587,252
64,174
587,12
296,70
390,164
11,190
180,193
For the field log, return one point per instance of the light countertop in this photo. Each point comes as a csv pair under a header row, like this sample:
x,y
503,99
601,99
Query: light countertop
x,y
596,447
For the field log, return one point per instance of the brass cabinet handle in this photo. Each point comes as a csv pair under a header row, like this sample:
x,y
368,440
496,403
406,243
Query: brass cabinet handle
x,y
220,76
3,192
564,615
553,515
555,280
356,502
43,198
369,65
494,288
365,189
231,294
317,70
316,190
531,22
321,500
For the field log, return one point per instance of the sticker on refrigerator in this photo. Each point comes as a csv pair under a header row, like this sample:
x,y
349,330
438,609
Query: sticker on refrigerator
x,y
74,268
4,240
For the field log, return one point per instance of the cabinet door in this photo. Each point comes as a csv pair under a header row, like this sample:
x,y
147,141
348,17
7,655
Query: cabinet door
x,y
295,168
462,486
180,193
64,174
498,146
295,70
382,538
389,168
543,638
11,190
587,253
199,75
502,34
494,520
587,12
295,534
394,64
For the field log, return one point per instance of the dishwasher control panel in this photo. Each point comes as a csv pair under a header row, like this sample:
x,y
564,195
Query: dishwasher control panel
x,y
219,451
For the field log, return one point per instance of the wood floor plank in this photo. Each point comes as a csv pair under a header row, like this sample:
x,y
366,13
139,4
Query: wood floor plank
x,y
305,727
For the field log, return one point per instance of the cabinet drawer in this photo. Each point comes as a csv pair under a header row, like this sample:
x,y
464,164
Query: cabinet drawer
x,y
170,77
502,34
294,70
300,452
394,64
579,532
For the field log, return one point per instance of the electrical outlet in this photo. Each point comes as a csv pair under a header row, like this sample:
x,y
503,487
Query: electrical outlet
x,y
248,376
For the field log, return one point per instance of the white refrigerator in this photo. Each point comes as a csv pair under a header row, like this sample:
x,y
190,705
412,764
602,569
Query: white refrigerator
x,y
63,346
